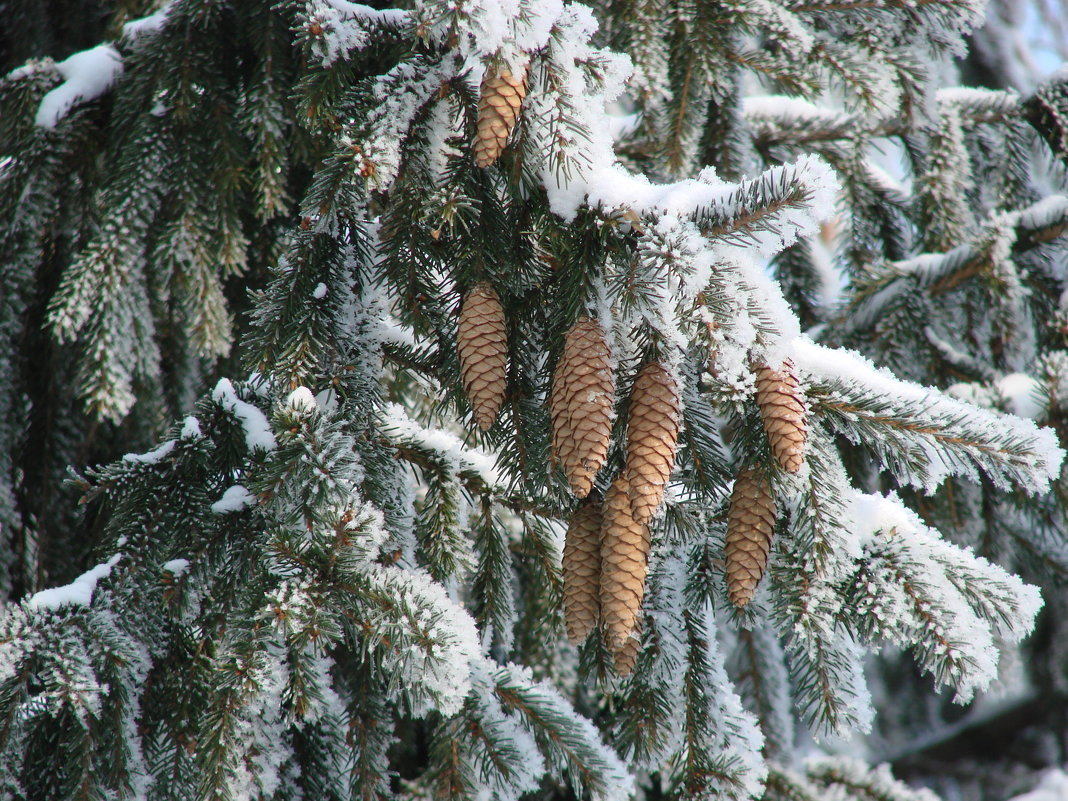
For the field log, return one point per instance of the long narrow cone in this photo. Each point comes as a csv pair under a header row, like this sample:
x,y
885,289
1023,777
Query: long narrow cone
x,y
782,410
750,526
582,401
482,344
652,437
626,657
498,111
582,571
624,564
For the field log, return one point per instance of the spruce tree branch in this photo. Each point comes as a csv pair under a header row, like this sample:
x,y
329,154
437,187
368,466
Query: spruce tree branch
x,y
763,713
782,131
789,788
476,486
940,273
920,605
858,5
678,117
512,698
900,423
865,783
747,219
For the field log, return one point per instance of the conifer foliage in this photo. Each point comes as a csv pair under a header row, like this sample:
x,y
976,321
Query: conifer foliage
x,y
527,398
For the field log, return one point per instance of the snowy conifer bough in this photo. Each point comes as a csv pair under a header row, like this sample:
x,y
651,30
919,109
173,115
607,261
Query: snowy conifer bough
x,y
344,576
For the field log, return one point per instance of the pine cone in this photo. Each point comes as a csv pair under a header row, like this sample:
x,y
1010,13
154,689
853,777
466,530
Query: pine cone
x,y
498,111
782,409
624,562
626,657
582,571
482,342
652,435
750,525
582,400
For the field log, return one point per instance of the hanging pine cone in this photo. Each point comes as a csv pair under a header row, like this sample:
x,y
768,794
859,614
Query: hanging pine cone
x,y
652,435
582,399
626,657
624,562
582,571
482,342
782,410
498,110
750,525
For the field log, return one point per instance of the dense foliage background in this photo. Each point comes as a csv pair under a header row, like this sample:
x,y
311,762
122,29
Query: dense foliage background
x,y
235,237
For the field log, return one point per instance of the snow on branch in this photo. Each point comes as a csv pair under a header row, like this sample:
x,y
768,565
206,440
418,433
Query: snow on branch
x,y
504,758
770,211
861,781
569,740
153,23
791,121
723,739
338,27
87,75
921,435
917,590
78,593
824,658
403,431
773,210
428,641
937,273
398,96
650,727
258,433
390,16
781,119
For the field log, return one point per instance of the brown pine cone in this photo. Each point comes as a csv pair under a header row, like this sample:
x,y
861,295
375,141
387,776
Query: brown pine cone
x,y
582,400
624,563
582,571
652,435
782,409
498,110
626,657
750,526
482,343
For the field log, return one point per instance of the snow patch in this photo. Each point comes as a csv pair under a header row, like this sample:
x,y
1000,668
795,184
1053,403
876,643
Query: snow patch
x,y
176,567
258,434
153,23
78,593
1034,470
234,499
87,75
190,429
301,400
1024,395
1053,786
152,457
398,425
942,600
